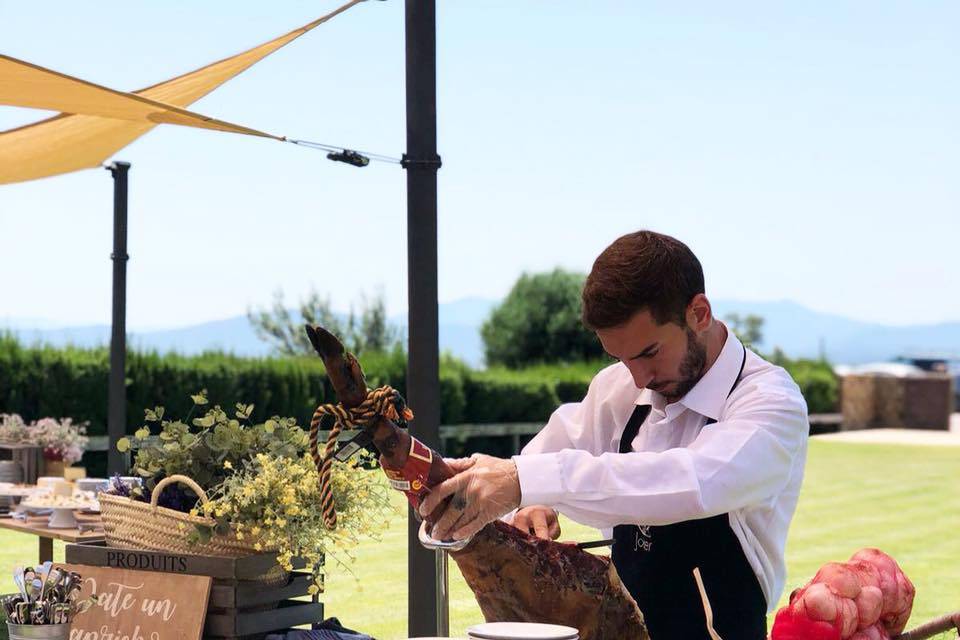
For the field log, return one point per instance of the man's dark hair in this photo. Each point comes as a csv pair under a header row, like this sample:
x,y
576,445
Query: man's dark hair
x,y
641,270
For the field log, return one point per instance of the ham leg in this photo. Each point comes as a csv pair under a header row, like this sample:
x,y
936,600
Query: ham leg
x,y
514,576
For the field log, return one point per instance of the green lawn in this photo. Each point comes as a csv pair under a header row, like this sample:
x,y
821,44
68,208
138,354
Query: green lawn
x,y
904,500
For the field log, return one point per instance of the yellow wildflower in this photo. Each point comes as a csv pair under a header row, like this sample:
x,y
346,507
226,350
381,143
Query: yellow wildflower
x,y
227,464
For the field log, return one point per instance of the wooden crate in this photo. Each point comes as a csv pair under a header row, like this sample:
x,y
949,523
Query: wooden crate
x,y
244,594
239,607
235,624
243,568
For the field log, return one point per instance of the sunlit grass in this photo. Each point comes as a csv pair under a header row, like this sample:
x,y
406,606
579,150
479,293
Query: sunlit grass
x,y
902,499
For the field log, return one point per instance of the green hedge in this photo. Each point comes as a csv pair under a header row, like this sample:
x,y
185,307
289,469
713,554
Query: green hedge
x,y
819,384
47,381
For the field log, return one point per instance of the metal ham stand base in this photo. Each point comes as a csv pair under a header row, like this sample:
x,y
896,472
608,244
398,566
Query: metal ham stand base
x,y
443,583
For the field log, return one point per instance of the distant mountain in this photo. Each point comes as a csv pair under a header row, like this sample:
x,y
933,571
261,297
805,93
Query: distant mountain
x,y
459,333
802,332
797,330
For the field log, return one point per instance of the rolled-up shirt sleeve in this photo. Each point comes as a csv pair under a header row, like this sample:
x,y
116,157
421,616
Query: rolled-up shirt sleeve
x,y
744,459
569,427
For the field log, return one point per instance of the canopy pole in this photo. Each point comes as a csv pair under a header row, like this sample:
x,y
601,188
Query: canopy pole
x,y
117,391
423,368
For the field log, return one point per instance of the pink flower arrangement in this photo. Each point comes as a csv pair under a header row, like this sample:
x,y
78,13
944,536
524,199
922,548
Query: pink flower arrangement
x,y
60,439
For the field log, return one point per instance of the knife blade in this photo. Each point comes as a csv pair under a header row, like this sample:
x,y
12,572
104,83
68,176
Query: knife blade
x,y
595,543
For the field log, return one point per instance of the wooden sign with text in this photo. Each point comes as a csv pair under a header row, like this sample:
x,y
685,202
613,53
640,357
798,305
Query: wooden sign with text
x,y
141,605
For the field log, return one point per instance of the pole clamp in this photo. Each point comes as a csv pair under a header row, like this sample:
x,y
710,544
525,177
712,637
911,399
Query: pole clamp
x,y
419,163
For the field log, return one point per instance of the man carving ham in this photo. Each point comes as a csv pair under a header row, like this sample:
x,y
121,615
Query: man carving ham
x,y
689,452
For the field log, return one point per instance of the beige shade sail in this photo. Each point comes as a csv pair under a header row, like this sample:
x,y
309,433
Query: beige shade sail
x,y
26,85
97,121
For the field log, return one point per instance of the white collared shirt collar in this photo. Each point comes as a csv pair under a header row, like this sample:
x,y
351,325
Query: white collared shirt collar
x,y
710,393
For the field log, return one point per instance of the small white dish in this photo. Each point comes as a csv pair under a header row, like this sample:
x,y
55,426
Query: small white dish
x,y
92,484
521,631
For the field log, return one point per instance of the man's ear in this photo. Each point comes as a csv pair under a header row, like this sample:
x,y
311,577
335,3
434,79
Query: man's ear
x,y
699,313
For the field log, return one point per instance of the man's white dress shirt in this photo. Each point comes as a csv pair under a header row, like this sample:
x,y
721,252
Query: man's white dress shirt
x,y
749,464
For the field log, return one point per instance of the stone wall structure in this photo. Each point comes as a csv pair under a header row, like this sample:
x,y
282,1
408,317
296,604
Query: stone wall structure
x,y
871,401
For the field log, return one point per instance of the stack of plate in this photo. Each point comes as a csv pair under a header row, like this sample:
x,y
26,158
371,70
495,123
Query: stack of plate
x,y
12,472
521,631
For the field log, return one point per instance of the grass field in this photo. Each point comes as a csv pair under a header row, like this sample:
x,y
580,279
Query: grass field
x,y
902,499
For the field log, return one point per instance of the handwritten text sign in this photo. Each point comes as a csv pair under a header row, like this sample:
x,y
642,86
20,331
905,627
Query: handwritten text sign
x,y
141,605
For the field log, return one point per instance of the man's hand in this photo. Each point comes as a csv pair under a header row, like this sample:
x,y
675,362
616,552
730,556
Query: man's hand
x,y
538,520
483,489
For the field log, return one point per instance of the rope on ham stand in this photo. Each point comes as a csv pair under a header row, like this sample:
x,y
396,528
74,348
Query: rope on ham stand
x,y
385,401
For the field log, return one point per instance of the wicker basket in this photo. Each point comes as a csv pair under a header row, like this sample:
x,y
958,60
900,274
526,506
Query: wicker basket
x,y
137,525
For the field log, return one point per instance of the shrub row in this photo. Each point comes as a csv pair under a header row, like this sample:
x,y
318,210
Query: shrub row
x,y
47,381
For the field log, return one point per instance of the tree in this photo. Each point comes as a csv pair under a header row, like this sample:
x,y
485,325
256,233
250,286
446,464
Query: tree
x,y
374,332
369,332
539,321
748,328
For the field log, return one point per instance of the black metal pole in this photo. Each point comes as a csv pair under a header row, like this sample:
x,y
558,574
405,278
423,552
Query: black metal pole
x,y
117,392
423,367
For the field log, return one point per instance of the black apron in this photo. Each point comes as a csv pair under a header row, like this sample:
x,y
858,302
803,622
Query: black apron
x,y
656,565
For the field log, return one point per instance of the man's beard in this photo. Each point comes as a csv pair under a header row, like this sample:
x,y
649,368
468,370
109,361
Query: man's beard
x,y
691,368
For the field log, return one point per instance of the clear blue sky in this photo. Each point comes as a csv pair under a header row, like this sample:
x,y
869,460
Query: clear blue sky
x,y
807,151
